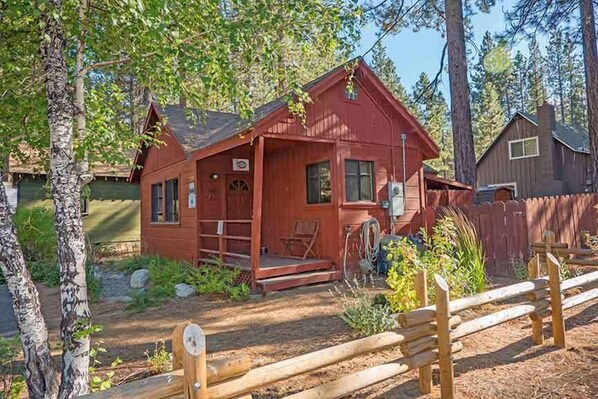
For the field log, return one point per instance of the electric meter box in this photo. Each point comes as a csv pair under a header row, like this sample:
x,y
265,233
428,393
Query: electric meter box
x,y
396,197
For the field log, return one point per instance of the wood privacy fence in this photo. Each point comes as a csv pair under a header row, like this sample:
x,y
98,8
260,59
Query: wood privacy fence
x,y
426,335
507,229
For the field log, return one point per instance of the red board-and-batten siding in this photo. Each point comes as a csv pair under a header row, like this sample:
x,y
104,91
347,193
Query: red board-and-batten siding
x,y
336,129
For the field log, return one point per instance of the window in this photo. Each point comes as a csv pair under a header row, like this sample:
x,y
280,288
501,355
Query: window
x,y
524,148
319,187
172,200
84,205
359,180
351,92
157,214
165,201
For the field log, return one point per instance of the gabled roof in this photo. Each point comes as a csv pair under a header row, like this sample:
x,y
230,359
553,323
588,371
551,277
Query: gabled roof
x,y
576,138
196,130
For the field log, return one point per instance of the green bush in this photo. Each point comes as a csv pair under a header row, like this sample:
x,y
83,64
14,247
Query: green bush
x,y
137,262
364,314
37,237
452,251
36,233
218,279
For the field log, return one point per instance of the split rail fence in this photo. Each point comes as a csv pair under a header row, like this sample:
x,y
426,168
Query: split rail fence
x,y
426,335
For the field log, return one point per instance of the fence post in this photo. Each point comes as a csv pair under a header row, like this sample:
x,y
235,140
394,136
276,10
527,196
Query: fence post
x,y
178,348
556,304
548,238
533,270
421,291
445,355
195,369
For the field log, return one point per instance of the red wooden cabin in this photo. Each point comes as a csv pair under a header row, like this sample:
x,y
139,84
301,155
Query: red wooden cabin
x,y
232,188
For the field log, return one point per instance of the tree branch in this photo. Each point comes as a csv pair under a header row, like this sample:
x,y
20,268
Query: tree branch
x,y
436,79
392,26
126,60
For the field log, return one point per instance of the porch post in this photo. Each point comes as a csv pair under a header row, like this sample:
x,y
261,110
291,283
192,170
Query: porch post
x,y
256,225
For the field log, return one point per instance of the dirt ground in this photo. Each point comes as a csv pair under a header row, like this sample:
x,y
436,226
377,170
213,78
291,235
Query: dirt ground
x,y
498,363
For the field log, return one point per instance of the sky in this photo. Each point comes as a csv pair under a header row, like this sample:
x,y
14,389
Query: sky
x,y
417,52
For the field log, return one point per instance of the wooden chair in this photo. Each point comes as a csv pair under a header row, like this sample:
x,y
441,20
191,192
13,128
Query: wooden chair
x,y
304,235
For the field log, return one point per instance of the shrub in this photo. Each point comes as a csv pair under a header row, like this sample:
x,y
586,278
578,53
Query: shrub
x,y
159,360
36,233
131,264
218,279
452,251
363,314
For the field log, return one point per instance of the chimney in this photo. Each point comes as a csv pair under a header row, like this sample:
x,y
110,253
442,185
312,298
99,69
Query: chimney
x,y
546,124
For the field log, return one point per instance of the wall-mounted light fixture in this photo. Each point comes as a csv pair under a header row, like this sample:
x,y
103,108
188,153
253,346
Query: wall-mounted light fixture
x,y
214,176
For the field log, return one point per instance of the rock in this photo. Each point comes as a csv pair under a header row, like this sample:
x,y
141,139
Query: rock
x,y
139,278
184,290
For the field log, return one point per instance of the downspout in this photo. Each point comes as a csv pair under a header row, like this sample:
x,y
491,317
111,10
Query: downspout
x,y
403,142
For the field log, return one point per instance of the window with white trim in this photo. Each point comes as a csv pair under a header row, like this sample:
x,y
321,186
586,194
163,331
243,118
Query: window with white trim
x,y
523,148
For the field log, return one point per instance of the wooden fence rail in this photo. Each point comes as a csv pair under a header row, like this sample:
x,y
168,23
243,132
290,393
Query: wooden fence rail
x,y
426,335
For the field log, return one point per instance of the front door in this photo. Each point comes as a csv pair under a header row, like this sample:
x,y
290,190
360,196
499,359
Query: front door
x,y
239,196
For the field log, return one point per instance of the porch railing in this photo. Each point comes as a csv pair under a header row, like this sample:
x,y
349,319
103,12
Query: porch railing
x,y
223,238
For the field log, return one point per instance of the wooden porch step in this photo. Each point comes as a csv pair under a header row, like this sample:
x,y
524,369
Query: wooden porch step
x,y
309,265
297,280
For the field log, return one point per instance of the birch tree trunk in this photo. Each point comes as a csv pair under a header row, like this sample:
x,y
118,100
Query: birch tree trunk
x,y
465,168
590,60
66,194
40,374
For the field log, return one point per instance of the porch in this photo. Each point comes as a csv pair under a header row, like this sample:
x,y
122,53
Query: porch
x,y
240,217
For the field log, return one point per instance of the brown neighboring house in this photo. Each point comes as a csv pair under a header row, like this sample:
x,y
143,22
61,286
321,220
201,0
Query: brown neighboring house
x,y
537,156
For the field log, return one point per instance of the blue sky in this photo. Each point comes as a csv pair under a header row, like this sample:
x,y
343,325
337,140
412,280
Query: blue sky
x,y
417,52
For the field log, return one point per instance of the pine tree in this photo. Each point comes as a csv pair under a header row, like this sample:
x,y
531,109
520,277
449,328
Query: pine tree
x,y
480,75
500,64
432,110
574,98
489,119
535,78
520,73
555,71
386,70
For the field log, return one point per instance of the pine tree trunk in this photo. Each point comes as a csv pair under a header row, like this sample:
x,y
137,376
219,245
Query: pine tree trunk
x,y
590,60
40,374
66,193
465,167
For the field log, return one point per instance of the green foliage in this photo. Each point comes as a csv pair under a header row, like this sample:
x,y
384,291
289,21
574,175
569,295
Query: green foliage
x,y
36,233
386,70
99,382
489,120
94,284
218,279
159,359
165,273
363,314
143,301
519,268
453,251
12,384
129,265
430,107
